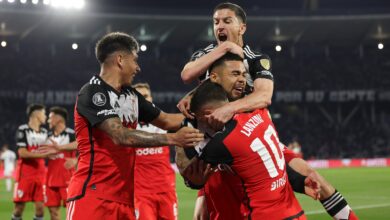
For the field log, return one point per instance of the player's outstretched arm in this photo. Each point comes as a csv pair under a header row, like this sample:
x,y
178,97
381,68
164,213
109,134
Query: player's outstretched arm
x,y
168,121
185,137
194,69
260,98
24,153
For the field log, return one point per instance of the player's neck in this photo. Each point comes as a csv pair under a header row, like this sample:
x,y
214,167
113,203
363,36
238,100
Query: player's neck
x,y
59,129
240,42
111,78
34,124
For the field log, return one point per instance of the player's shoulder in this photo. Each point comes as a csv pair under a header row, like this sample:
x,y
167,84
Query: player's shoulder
x,y
69,130
95,83
250,53
210,47
23,127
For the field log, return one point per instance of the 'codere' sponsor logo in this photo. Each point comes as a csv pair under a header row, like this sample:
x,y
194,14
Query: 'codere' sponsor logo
x,y
149,151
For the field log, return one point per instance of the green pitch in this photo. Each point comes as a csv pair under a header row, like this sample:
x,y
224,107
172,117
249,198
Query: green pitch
x,y
366,189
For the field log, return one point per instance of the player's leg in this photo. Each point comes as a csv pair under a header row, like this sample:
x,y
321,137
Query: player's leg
x,y
167,206
8,184
18,210
38,198
22,194
53,201
146,207
200,211
333,202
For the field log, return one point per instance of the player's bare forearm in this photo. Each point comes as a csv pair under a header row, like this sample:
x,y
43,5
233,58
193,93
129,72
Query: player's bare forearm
x,y
130,137
259,98
24,153
68,147
192,70
169,122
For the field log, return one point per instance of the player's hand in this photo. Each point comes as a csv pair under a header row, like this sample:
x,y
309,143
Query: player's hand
x,y
197,172
187,137
233,48
184,106
313,186
220,116
70,163
52,148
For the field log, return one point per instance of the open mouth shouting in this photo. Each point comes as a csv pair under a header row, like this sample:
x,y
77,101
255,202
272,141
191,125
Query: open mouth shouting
x,y
222,37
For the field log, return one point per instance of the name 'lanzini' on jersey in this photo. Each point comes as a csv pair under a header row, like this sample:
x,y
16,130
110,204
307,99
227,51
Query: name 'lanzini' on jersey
x,y
105,169
33,168
57,174
259,162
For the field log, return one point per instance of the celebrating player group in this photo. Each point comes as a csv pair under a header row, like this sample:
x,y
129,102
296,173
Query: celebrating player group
x,y
115,165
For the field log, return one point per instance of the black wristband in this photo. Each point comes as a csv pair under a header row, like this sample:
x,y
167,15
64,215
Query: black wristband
x,y
297,181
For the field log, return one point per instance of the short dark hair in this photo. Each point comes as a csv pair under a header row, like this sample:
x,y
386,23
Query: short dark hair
x,y
112,42
207,92
60,111
141,85
240,13
227,57
34,107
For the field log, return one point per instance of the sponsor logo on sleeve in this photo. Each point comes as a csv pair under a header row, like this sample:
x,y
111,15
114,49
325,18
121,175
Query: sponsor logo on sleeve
x,y
265,63
99,99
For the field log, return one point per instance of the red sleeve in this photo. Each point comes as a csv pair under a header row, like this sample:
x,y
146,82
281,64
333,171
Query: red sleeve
x,y
201,192
289,154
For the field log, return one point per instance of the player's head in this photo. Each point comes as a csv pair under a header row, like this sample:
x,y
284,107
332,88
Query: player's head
x,y
207,97
144,89
57,115
37,112
229,71
4,147
229,23
119,51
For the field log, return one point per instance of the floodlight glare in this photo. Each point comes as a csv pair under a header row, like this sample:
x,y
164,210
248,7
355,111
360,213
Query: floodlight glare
x,y
143,47
75,46
11,1
23,1
380,46
46,2
278,48
35,2
3,43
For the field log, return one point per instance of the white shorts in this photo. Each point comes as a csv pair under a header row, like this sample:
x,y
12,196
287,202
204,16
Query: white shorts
x,y
8,172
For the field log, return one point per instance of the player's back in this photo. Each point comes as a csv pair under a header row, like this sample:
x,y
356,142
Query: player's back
x,y
153,172
250,146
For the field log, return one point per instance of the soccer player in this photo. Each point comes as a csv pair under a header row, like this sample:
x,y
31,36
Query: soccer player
x,y
57,176
229,28
107,112
8,157
249,145
30,171
155,192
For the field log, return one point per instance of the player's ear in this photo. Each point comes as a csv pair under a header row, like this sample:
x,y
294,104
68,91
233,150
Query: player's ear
x,y
214,77
242,29
119,60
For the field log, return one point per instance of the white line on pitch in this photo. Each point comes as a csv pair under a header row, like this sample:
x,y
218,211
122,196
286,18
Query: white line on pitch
x,y
353,208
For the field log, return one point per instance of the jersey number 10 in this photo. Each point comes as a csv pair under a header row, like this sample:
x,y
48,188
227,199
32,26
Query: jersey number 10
x,y
258,146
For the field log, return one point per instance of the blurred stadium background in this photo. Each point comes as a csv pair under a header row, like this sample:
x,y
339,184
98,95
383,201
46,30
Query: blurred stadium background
x,y
331,62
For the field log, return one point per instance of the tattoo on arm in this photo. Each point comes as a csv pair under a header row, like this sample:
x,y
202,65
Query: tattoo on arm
x,y
131,137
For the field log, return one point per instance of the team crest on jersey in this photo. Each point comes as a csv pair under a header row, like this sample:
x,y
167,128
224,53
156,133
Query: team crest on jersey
x,y
20,193
265,63
99,99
